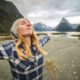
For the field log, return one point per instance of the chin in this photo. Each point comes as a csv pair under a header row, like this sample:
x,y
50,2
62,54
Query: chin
x,y
28,34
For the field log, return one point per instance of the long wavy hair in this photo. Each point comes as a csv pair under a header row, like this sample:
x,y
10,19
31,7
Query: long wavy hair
x,y
21,41
50,66
28,53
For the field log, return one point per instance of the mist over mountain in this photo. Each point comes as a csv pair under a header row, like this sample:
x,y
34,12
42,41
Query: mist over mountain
x,y
64,25
42,27
9,13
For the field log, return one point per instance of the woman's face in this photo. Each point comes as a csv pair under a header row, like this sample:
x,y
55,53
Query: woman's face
x,y
24,27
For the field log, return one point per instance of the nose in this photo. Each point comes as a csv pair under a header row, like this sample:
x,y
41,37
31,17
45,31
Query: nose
x,y
28,25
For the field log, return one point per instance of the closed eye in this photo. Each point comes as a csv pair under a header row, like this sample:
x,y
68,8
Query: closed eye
x,y
23,22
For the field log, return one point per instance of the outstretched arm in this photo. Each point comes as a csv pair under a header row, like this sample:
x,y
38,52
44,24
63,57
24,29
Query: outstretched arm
x,y
45,39
5,50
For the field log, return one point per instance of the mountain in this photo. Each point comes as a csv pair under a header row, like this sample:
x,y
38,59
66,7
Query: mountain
x,y
8,14
41,27
78,28
64,25
74,26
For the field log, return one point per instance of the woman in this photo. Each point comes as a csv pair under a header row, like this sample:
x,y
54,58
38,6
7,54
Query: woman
x,y
24,53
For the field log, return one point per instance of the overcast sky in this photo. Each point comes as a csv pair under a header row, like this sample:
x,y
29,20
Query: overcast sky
x,y
49,12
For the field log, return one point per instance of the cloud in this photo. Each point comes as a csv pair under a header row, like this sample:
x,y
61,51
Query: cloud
x,y
39,14
47,10
52,7
75,19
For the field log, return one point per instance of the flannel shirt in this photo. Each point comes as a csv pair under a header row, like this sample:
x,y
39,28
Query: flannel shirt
x,y
29,69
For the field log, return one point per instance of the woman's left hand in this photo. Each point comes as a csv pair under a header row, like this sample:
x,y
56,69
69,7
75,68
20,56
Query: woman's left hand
x,y
49,34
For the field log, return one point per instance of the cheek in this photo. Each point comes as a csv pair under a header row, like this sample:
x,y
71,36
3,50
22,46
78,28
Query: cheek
x,y
24,31
20,30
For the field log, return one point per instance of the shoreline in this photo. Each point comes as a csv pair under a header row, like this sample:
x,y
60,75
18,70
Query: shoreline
x,y
63,51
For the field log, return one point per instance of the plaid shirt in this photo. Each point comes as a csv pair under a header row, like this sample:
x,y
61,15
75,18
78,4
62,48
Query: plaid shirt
x,y
29,69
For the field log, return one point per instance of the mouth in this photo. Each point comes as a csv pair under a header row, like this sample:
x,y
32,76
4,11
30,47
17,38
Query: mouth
x,y
28,28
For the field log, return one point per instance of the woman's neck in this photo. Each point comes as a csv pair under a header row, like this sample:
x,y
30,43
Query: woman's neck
x,y
28,40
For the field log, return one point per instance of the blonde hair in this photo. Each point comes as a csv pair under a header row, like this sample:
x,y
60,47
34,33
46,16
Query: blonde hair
x,y
34,40
50,66
28,53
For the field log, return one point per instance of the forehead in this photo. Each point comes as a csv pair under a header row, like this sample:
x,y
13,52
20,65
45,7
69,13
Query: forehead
x,y
21,20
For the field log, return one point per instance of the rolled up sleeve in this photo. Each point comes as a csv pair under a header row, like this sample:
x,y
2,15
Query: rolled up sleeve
x,y
44,40
5,51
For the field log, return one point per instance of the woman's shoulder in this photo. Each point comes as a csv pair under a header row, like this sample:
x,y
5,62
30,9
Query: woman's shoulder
x,y
13,42
5,42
